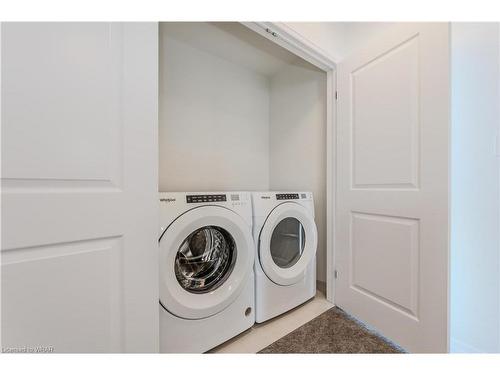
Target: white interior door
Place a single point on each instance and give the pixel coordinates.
(79, 187)
(392, 184)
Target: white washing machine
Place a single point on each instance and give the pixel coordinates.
(206, 269)
(286, 239)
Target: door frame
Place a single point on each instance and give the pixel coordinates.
(288, 38)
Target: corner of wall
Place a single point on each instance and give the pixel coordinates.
(475, 239)
(498, 162)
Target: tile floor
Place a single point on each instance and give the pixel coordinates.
(264, 334)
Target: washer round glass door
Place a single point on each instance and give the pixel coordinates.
(205, 259)
(287, 243)
(206, 256)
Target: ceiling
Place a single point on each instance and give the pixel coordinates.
(234, 42)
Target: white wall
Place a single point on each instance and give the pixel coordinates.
(210, 106)
(358, 33)
(498, 156)
(329, 36)
(475, 277)
(298, 141)
(338, 39)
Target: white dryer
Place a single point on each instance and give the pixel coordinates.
(286, 239)
(206, 269)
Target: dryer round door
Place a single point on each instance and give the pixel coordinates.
(287, 243)
(206, 256)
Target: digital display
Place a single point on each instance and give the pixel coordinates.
(287, 196)
(206, 198)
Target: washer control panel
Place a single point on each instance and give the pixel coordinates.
(206, 198)
(281, 197)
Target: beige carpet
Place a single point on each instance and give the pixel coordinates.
(332, 332)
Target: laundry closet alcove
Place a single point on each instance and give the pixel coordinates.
(239, 112)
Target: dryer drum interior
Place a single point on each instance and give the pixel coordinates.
(205, 259)
(287, 242)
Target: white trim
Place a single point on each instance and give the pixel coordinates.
(331, 180)
(296, 43)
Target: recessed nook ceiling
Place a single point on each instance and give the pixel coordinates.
(236, 43)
